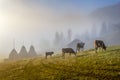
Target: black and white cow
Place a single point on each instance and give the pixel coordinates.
(80, 46)
(48, 54)
(68, 50)
(99, 44)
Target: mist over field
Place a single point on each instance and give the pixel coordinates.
(50, 25)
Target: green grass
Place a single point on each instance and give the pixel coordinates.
(86, 66)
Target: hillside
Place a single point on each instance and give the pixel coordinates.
(108, 13)
(87, 65)
(113, 38)
(109, 39)
(108, 19)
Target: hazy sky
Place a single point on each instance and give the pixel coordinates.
(36, 21)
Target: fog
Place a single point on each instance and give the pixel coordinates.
(36, 23)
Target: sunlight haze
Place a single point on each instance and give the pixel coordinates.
(35, 22)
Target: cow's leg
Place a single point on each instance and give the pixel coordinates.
(63, 55)
(79, 49)
(99, 49)
(96, 49)
(75, 54)
(46, 56)
(102, 49)
(82, 49)
(76, 50)
(70, 54)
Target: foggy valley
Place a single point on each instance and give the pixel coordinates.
(50, 29)
(59, 39)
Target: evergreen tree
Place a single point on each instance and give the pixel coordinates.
(86, 36)
(117, 27)
(103, 30)
(93, 31)
(62, 40)
(69, 35)
(57, 39)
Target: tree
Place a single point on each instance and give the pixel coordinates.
(86, 36)
(57, 39)
(103, 30)
(62, 40)
(93, 32)
(69, 35)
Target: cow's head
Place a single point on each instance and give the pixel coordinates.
(104, 47)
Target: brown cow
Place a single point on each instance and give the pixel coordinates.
(68, 50)
(99, 44)
(48, 53)
(80, 46)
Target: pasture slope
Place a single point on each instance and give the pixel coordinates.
(86, 66)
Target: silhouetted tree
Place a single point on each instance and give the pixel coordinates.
(86, 36)
(57, 39)
(116, 27)
(94, 31)
(69, 35)
(103, 30)
(62, 39)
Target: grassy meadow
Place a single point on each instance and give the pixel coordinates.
(88, 65)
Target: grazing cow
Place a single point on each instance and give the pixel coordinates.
(68, 50)
(48, 53)
(80, 46)
(99, 44)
